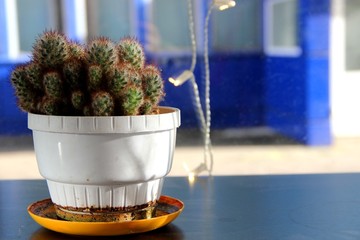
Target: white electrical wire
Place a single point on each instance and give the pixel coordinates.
(195, 88)
(192, 35)
(209, 161)
(205, 121)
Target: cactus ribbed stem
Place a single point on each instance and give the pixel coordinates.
(132, 101)
(102, 104)
(102, 52)
(51, 50)
(53, 85)
(130, 51)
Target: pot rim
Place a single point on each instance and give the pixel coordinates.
(169, 118)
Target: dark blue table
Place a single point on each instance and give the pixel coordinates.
(287, 207)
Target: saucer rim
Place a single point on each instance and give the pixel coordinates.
(107, 228)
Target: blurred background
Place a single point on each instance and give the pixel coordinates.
(284, 77)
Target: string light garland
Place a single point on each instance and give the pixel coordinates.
(205, 119)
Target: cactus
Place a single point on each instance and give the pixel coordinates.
(78, 100)
(102, 104)
(50, 106)
(72, 73)
(95, 73)
(118, 77)
(53, 85)
(33, 72)
(130, 51)
(76, 51)
(132, 100)
(24, 89)
(100, 79)
(51, 50)
(102, 52)
(152, 84)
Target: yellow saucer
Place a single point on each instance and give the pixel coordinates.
(43, 213)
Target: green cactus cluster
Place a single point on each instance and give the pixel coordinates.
(102, 78)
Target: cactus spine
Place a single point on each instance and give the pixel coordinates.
(101, 79)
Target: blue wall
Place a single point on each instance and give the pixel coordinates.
(285, 96)
(316, 15)
(12, 120)
(290, 95)
(236, 89)
(297, 89)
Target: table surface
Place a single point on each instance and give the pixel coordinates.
(295, 207)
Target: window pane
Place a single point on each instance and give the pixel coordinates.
(34, 17)
(284, 24)
(110, 18)
(169, 27)
(352, 18)
(239, 28)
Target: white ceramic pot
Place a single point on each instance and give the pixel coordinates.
(114, 163)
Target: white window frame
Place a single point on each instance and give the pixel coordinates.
(75, 27)
(271, 50)
(198, 10)
(9, 40)
(132, 21)
(10, 49)
(252, 49)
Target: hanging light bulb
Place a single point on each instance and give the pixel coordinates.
(182, 78)
(224, 4)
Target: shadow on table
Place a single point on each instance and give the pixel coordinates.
(165, 233)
